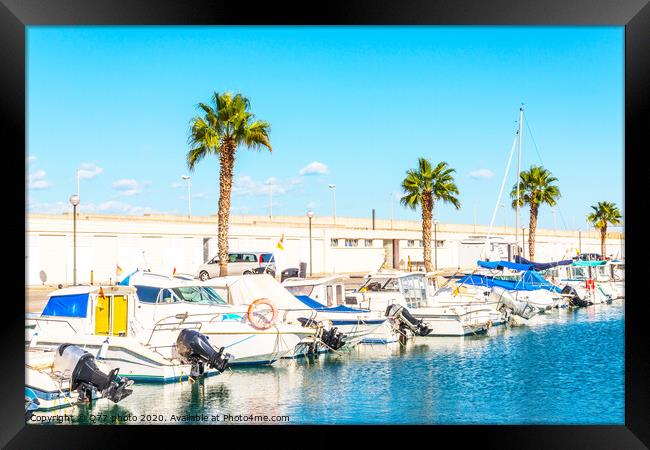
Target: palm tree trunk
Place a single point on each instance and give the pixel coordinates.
(603, 238)
(427, 209)
(534, 209)
(227, 162)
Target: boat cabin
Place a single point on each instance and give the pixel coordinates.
(328, 291)
(99, 310)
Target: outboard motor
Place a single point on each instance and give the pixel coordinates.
(332, 338)
(87, 377)
(407, 321)
(193, 348)
(575, 299)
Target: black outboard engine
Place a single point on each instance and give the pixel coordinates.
(332, 338)
(87, 377)
(407, 321)
(193, 348)
(575, 300)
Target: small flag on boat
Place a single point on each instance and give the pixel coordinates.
(174, 272)
(118, 270)
(280, 244)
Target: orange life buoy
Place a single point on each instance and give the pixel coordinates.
(259, 322)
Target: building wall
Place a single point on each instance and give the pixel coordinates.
(163, 243)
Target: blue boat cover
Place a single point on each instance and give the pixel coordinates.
(543, 266)
(73, 305)
(529, 281)
(318, 306)
(499, 265)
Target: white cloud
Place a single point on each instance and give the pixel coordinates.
(37, 181)
(30, 159)
(200, 195)
(312, 205)
(314, 168)
(88, 171)
(176, 185)
(245, 185)
(483, 174)
(128, 187)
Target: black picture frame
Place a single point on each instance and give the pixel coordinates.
(15, 15)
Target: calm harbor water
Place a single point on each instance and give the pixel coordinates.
(567, 368)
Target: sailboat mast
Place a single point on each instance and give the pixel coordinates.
(521, 115)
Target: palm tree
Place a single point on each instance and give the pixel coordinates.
(536, 188)
(604, 213)
(423, 186)
(225, 124)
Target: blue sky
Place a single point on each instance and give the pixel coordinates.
(350, 106)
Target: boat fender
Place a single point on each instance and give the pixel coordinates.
(257, 320)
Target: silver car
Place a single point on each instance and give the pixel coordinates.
(239, 263)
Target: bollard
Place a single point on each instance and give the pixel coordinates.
(91, 277)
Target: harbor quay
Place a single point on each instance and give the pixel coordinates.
(110, 246)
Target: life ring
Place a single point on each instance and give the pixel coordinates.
(257, 321)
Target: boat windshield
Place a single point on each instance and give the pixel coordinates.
(380, 284)
(301, 290)
(198, 294)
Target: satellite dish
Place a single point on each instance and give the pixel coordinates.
(43, 276)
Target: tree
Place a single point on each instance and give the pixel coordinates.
(604, 213)
(421, 187)
(535, 188)
(226, 124)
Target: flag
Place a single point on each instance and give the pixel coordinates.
(280, 243)
(174, 272)
(118, 270)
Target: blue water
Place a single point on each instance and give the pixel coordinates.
(568, 368)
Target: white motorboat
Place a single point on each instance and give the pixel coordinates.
(352, 324)
(327, 295)
(164, 299)
(450, 292)
(67, 375)
(409, 290)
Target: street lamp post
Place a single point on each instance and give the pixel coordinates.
(523, 242)
(333, 188)
(189, 194)
(310, 214)
(74, 201)
(579, 241)
(435, 243)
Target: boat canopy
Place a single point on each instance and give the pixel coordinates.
(543, 266)
(529, 281)
(500, 265)
(589, 263)
(70, 305)
(244, 289)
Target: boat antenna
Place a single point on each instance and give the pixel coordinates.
(521, 115)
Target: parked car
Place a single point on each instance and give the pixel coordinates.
(239, 263)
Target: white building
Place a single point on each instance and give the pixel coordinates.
(163, 243)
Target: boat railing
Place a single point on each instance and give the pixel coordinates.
(38, 321)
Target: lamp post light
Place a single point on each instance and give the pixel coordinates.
(435, 243)
(333, 188)
(74, 201)
(189, 194)
(310, 215)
